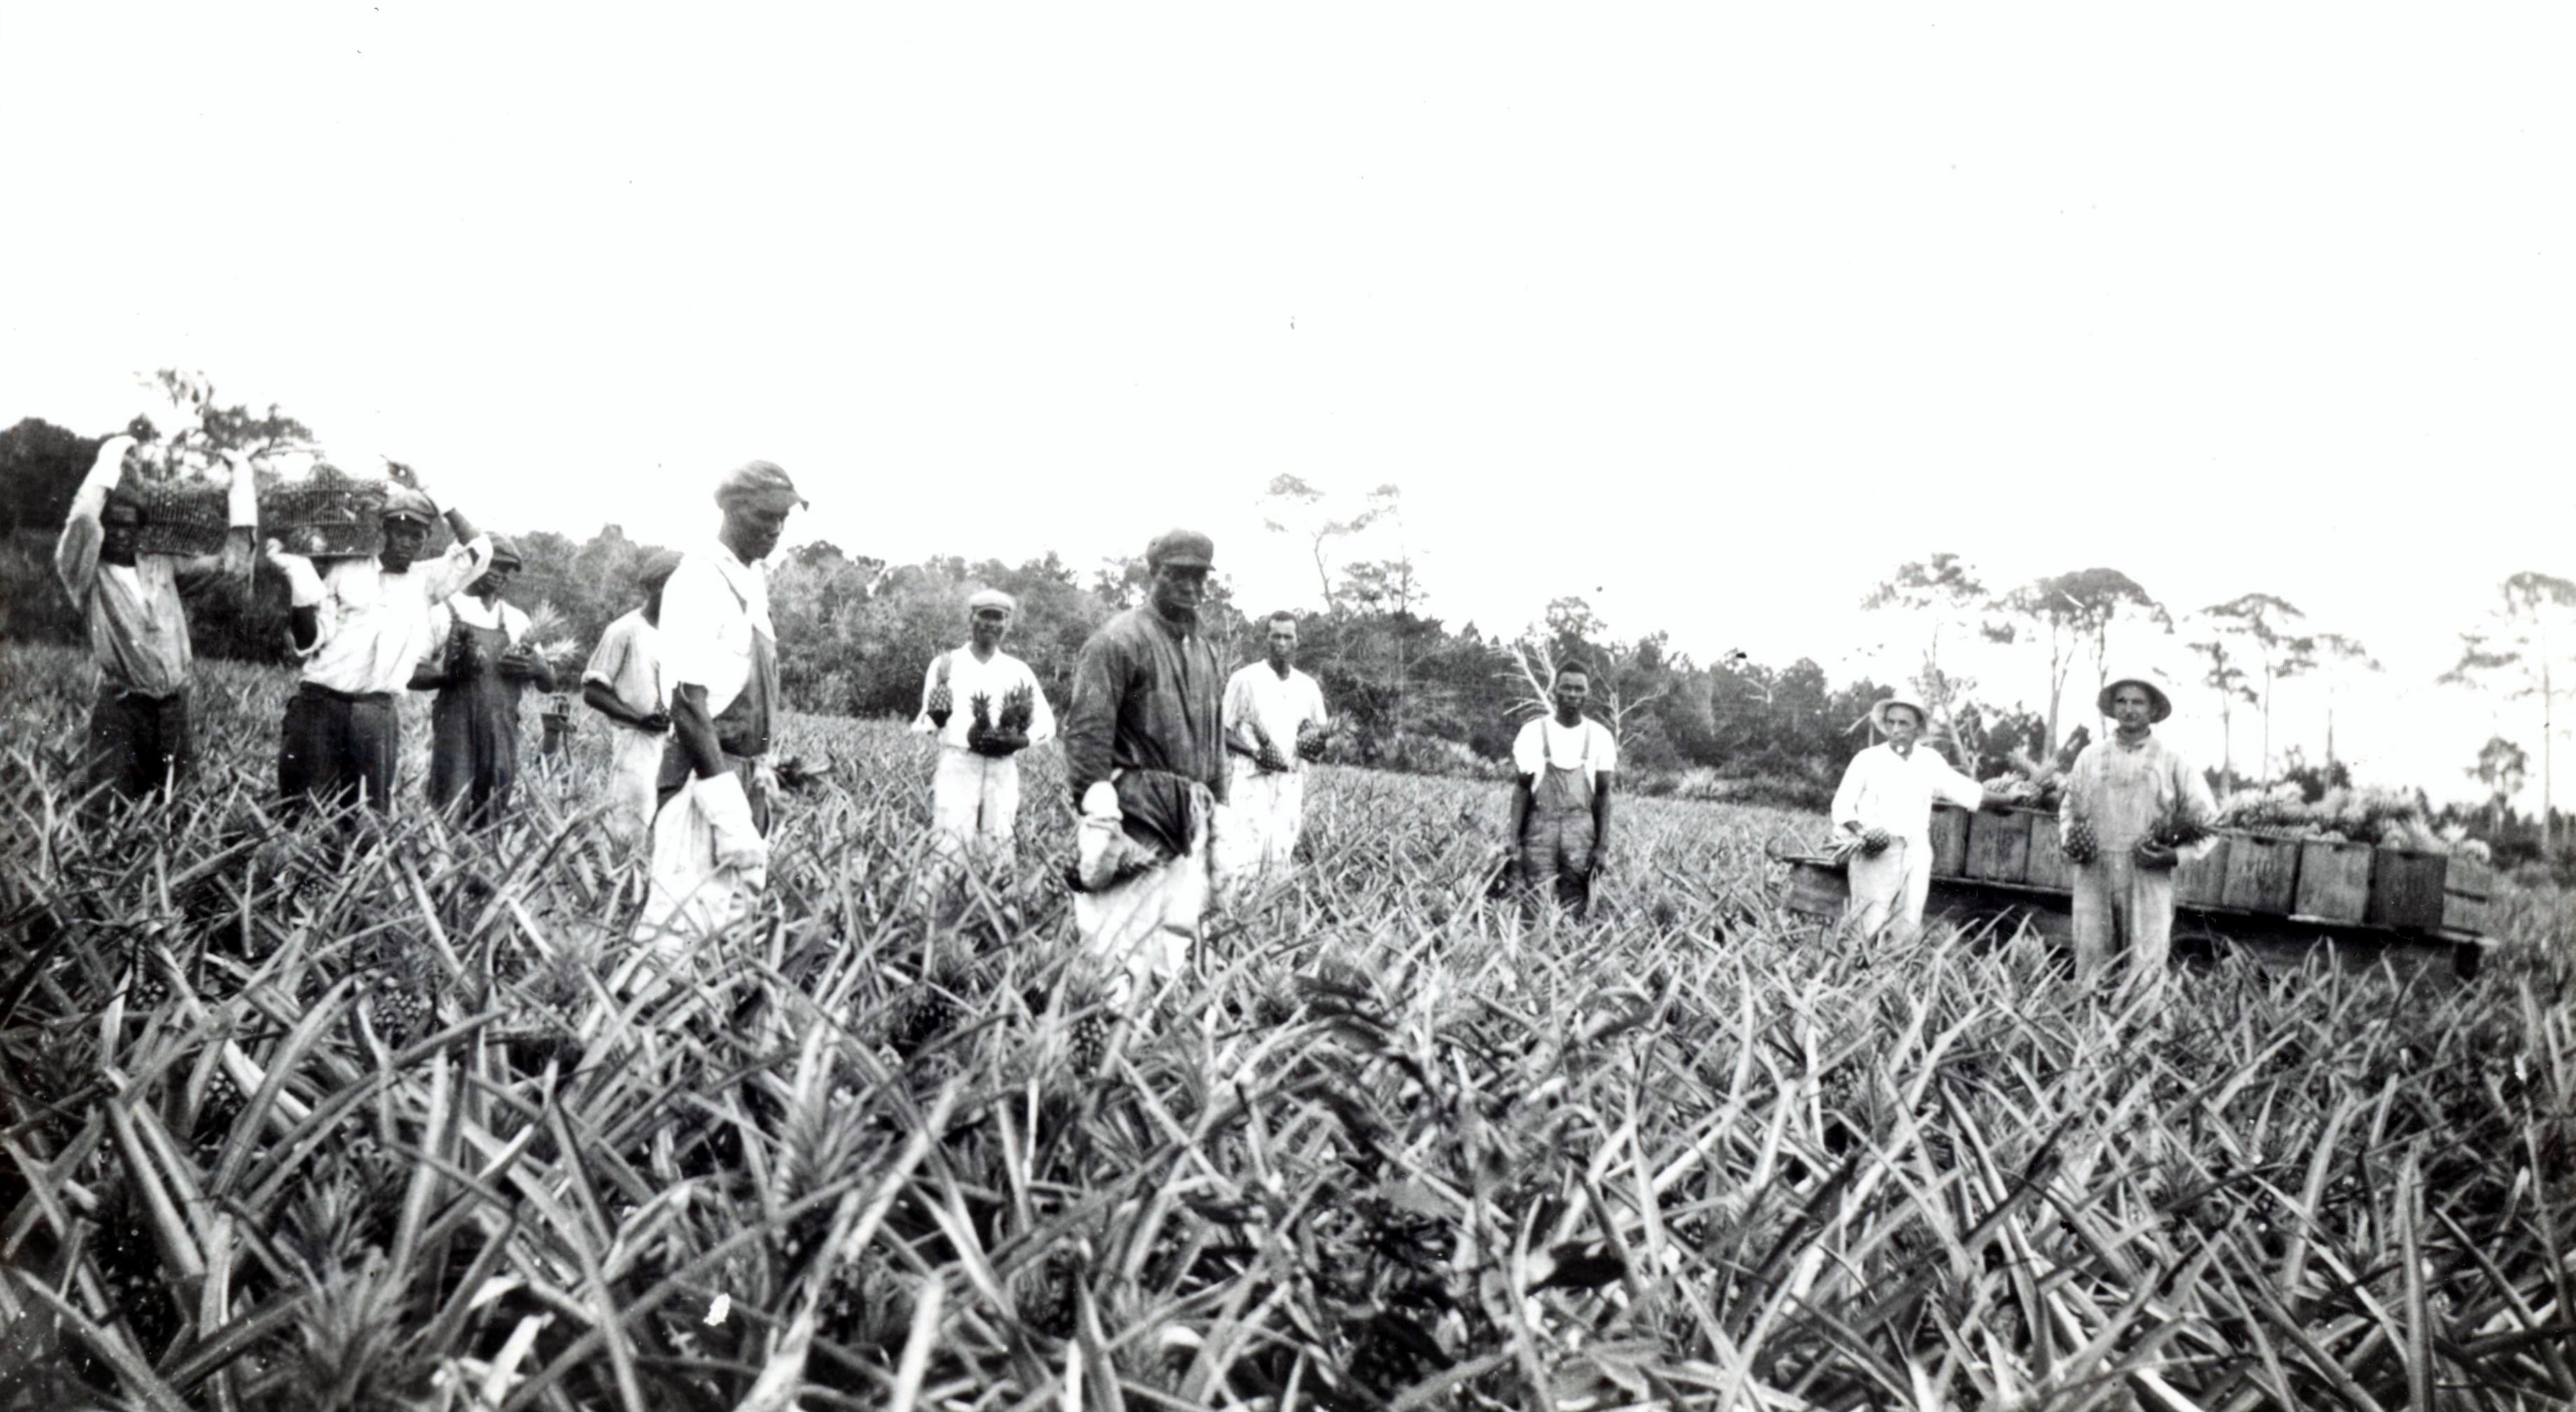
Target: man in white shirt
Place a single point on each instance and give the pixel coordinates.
(1561, 805)
(623, 682)
(361, 626)
(1885, 806)
(983, 706)
(720, 662)
(138, 626)
(1274, 725)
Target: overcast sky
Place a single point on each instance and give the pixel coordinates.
(1711, 315)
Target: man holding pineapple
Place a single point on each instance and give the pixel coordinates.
(2133, 809)
(130, 600)
(1883, 820)
(1144, 756)
(975, 789)
(1268, 702)
(485, 661)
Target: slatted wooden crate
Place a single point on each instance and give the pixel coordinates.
(1949, 842)
(2048, 865)
(2334, 880)
(2262, 874)
(2406, 889)
(2466, 886)
(2202, 881)
(1998, 846)
(1817, 889)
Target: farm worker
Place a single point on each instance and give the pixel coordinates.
(623, 682)
(1274, 724)
(1561, 805)
(361, 626)
(965, 706)
(720, 661)
(1885, 803)
(479, 664)
(1145, 758)
(2132, 810)
(138, 626)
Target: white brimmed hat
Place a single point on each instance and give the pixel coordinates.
(2159, 704)
(1878, 713)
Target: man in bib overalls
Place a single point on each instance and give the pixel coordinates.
(480, 664)
(720, 662)
(1561, 811)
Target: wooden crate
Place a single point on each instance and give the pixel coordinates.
(2466, 885)
(1998, 846)
(1949, 842)
(1817, 888)
(2048, 865)
(2334, 880)
(2262, 874)
(2202, 881)
(2406, 890)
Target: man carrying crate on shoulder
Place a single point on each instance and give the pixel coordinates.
(131, 601)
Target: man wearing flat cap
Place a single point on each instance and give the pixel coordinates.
(131, 602)
(361, 626)
(983, 706)
(2133, 809)
(1144, 749)
(1883, 819)
(623, 681)
(720, 661)
(481, 663)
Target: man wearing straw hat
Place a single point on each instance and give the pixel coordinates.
(361, 626)
(1883, 819)
(720, 660)
(2133, 809)
(481, 665)
(623, 681)
(1144, 755)
(130, 600)
(983, 706)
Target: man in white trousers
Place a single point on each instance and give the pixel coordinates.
(1274, 727)
(972, 702)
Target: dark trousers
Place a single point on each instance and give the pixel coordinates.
(336, 747)
(138, 742)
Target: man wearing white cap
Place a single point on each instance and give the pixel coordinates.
(984, 707)
(623, 681)
(720, 661)
(1884, 810)
(361, 626)
(1274, 725)
(2133, 808)
(131, 602)
(1144, 755)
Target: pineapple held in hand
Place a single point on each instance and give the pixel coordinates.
(2082, 844)
(1310, 741)
(1268, 757)
(1019, 706)
(942, 704)
(985, 737)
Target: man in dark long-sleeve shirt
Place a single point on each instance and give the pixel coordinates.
(1145, 757)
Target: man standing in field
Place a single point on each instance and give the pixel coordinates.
(361, 626)
(1884, 809)
(623, 682)
(131, 603)
(2132, 810)
(1274, 726)
(720, 661)
(479, 666)
(1145, 759)
(984, 707)
(1561, 806)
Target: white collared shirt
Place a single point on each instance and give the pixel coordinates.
(968, 678)
(713, 608)
(1885, 790)
(375, 625)
(1257, 693)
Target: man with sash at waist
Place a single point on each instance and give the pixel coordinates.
(138, 627)
(720, 664)
(361, 626)
(1144, 752)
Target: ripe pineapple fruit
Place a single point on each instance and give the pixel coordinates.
(149, 985)
(2082, 844)
(1269, 757)
(942, 703)
(1019, 707)
(1310, 741)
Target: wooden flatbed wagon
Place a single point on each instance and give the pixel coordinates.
(2273, 898)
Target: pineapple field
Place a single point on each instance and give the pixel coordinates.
(345, 1116)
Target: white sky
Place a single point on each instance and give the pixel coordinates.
(1712, 315)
